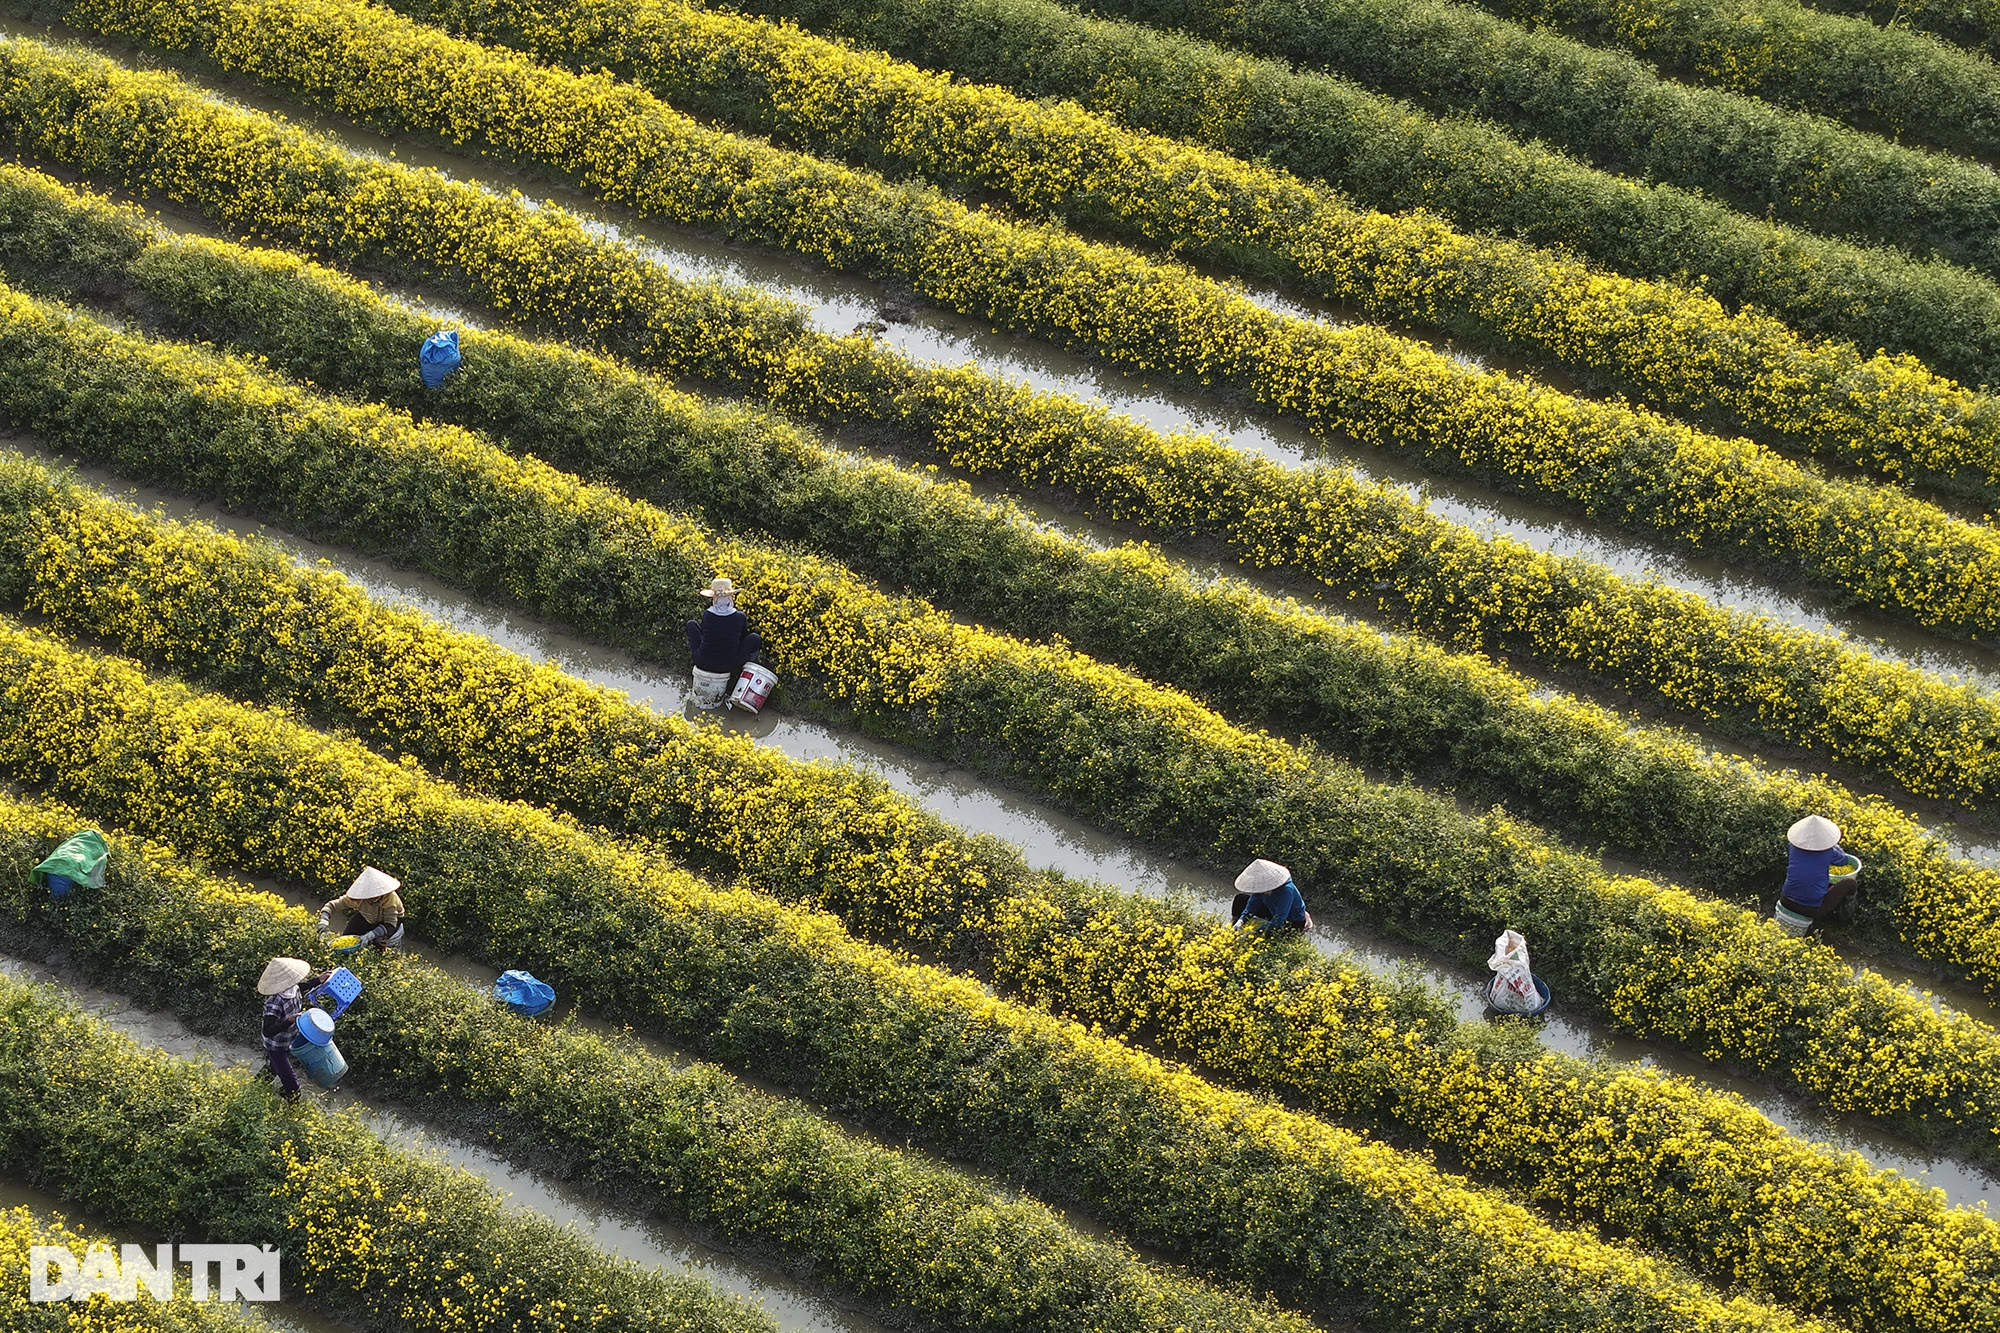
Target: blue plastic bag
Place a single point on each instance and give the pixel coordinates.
(523, 994)
(438, 357)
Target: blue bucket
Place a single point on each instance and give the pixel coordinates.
(325, 1063)
(1541, 989)
(60, 885)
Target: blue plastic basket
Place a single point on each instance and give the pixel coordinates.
(341, 986)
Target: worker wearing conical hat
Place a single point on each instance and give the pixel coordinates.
(721, 640)
(374, 909)
(1812, 852)
(281, 985)
(1266, 896)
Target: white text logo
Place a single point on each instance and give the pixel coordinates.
(241, 1273)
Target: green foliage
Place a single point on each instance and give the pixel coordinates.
(1389, 701)
(1740, 672)
(1891, 79)
(1394, 156)
(1969, 23)
(1611, 109)
(687, 1142)
(401, 1244)
(1653, 1156)
(1236, 1184)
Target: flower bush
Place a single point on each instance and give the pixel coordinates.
(1383, 699)
(1680, 349)
(1394, 156)
(1149, 762)
(393, 1241)
(1887, 79)
(1387, 700)
(1971, 23)
(1695, 1173)
(1869, 544)
(1230, 1182)
(1607, 108)
(918, 1238)
(1801, 689)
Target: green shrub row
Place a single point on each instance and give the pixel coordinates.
(1613, 1144)
(1324, 1217)
(1146, 762)
(1679, 350)
(21, 1230)
(1389, 701)
(1812, 691)
(1974, 24)
(1391, 155)
(1867, 544)
(688, 1142)
(1889, 80)
(1611, 109)
(392, 1241)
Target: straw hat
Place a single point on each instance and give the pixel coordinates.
(721, 587)
(281, 974)
(372, 883)
(1261, 876)
(1814, 833)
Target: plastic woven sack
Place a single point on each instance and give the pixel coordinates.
(438, 357)
(1513, 989)
(81, 859)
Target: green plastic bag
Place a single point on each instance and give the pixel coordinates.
(80, 860)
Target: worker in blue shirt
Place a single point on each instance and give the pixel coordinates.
(1813, 851)
(1266, 895)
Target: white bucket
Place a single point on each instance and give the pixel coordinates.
(1789, 921)
(711, 688)
(755, 687)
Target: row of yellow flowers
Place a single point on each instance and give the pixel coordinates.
(1232, 1181)
(1680, 349)
(1385, 152)
(1604, 106)
(151, 135)
(1400, 703)
(1695, 1173)
(1148, 762)
(173, 1147)
(1876, 77)
(911, 1236)
(1875, 545)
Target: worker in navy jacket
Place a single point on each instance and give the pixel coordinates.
(721, 640)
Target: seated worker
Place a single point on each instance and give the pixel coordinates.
(1813, 849)
(1265, 894)
(374, 908)
(721, 640)
(281, 985)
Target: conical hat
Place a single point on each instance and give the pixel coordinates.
(1814, 833)
(372, 883)
(1261, 876)
(281, 974)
